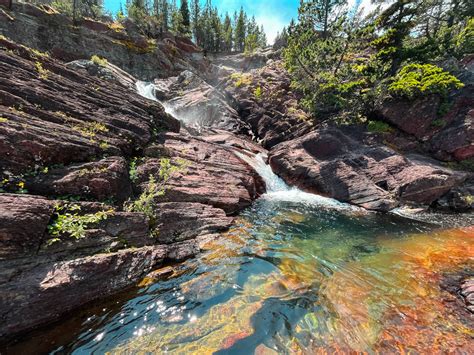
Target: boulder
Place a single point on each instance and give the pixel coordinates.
(107, 72)
(329, 162)
(105, 179)
(212, 174)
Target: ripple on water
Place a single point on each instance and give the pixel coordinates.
(294, 278)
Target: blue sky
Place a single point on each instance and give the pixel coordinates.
(272, 14)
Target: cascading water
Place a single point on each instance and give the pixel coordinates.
(294, 275)
(147, 90)
(278, 190)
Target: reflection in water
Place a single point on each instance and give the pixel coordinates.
(293, 278)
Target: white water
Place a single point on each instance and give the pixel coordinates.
(147, 90)
(278, 190)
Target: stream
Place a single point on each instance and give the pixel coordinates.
(298, 273)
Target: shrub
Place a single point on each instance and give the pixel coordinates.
(43, 73)
(146, 201)
(258, 93)
(378, 127)
(102, 62)
(416, 80)
(68, 221)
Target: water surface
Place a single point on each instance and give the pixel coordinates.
(290, 277)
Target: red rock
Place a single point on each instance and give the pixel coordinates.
(213, 175)
(375, 177)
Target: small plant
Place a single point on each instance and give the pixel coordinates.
(102, 62)
(241, 79)
(416, 80)
(104, 145)
(146, 201)
(38, 54)
(378, 127)
(3, 119)
(258, 93)
(90, 129)
(43, 73)
(133, 169)
(69, 222)
(438, 123)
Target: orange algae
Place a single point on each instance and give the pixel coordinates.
(392, 300)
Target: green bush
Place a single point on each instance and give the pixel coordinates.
(258, 93)
(378, 127)
(415, 80)
(465, 40)
(68, 221)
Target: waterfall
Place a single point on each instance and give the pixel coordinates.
(278, 190)
(146, 90)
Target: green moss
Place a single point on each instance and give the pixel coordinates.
(415, 80)
(102, 62)
(378, 127)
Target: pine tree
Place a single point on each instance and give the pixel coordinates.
(196, 21)
(228, 33)
(185, 15)
(240, 31)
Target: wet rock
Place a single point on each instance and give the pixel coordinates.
(212, 175)
(45, 292)
(467, 291)
(331, 163)
(198, 104)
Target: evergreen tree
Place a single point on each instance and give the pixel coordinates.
(240, 31)
(228, 33)
(196, 21)
(186, 17)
